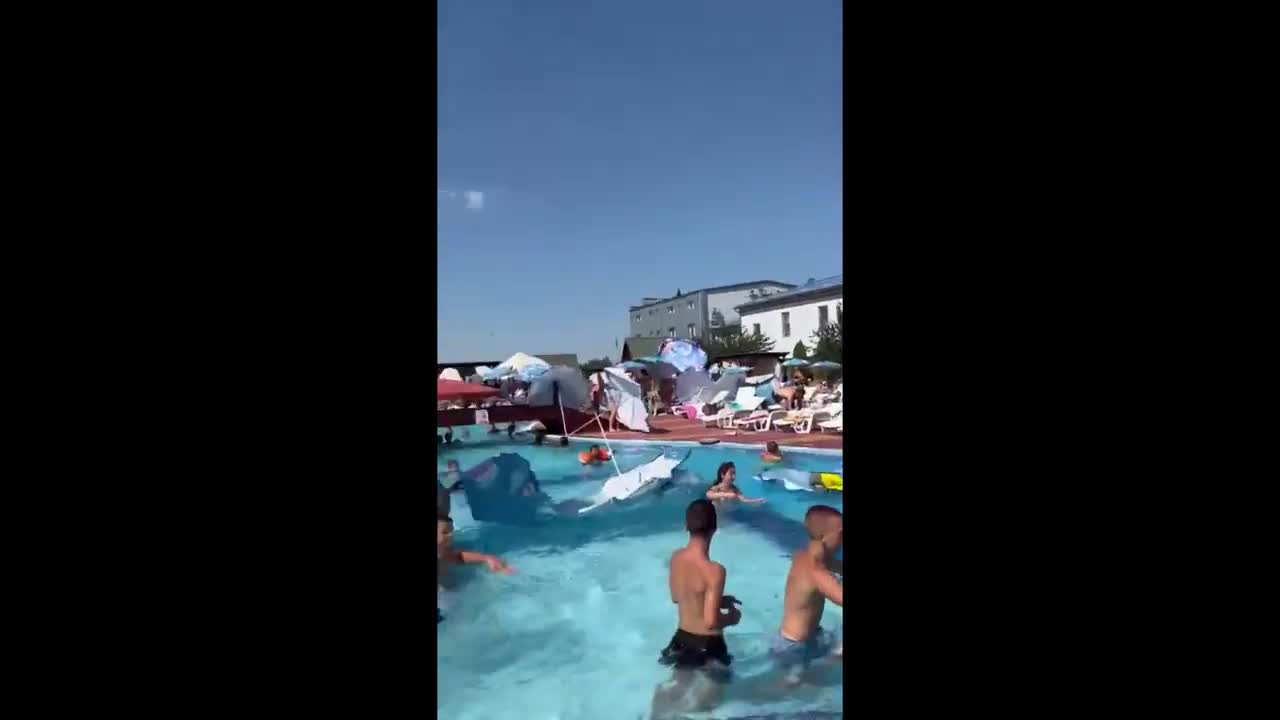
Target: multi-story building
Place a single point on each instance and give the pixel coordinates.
(693, 313)
(794, 315)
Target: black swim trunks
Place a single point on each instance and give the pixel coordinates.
(689, 651)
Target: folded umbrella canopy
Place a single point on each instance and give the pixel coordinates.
(457, 390)
(574, 391)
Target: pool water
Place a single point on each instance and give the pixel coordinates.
(577, 631)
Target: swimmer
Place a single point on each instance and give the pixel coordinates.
(771, 454)
(454, 474)
(511, 431)
(697, 650)
(539, 436)
(564, 441)
(724, 490)
(447, 556)
(810, 584)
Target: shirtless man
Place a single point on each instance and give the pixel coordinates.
(725, 491)
(448, 556)
(698, 647)
(809, 585)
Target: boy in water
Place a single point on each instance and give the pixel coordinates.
(704, 611)
(810, 583)
(724, 490)
(447, 556)
(772, 453)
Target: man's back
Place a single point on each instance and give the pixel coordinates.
(692, 577)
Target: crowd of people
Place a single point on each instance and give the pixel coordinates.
(698, 651)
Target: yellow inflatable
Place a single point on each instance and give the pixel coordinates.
(831, 481)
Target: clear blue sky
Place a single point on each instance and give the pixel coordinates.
(594, 152)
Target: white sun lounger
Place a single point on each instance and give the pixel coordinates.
(635, 483)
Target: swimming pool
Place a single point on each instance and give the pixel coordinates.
(577, 631)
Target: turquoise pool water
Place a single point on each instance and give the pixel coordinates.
(577, 631)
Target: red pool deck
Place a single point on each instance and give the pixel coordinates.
(670, 428)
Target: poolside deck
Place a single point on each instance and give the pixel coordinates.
(668, 428)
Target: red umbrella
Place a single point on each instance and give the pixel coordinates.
(454, 390)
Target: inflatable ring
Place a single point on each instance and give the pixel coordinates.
(831, 481)
(586, 458)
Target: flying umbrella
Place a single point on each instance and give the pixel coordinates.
(633, 365)
(683, 354)
(518, 364)
(795, 362)
(451, 374)
(826, 365)
(531, 372)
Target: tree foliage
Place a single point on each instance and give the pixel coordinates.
(828, 342)
(800, 350)
(730, 340)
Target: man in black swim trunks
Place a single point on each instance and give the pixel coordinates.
(698, 650)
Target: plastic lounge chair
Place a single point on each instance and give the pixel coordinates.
(836, 423)
(805, 423)
(758, 420)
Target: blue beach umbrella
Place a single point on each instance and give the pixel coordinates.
(795, 362)
(826, 365)
(683, 355)
(633, 365)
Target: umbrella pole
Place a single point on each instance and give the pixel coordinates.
(564, 425)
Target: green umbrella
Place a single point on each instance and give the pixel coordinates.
(795, 362)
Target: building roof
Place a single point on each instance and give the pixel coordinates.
(804, 293)
(717, 288)
(566, 359)
(639, 346)
(440, 366)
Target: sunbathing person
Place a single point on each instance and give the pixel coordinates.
(725, 491)
(448, 556)
(810, 584)
(697, 650)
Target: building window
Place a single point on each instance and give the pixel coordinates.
(755, 328)
(671, 332)
(786, 324)
(717, 318)
(690, 304)
(671, 309)
(822, 316)
(651, 312)
(637, 317)
(690, 329)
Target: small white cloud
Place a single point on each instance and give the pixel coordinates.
(475, 200)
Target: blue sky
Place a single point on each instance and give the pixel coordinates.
(591, 153)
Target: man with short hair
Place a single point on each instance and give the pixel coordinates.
(697, 650)
(810, 584)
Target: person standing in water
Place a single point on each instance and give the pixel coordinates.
(810, 584)
(723, 490)
(447, 556)
(697, 650)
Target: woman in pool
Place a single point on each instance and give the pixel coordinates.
(724, 490)
(772, 454)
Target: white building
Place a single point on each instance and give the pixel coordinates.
(792, 316)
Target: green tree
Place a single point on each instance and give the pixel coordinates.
(828, 342)
(591, 366)
(731, 340)
(800, 350)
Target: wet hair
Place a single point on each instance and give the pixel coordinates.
(564, 441)
(700, 517)
(595, 447)
(772, 447)
(720, 472)
(451, 464)
(819, 518)
(442, 516)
